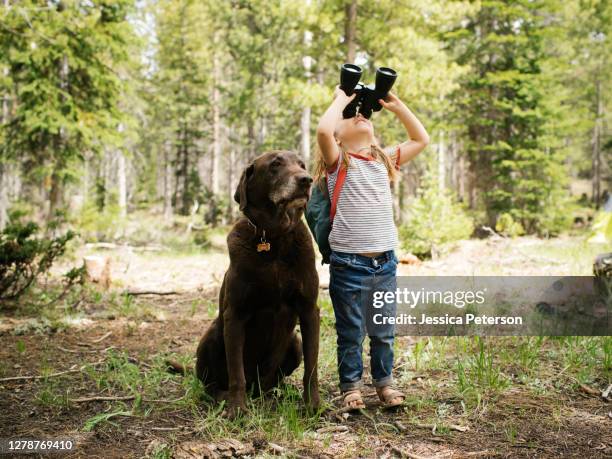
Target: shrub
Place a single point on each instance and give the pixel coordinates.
(24, 256)
(507, 226)
(602, 228)
(100, 224)
(434, 219)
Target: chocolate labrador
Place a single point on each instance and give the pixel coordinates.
(271, 282)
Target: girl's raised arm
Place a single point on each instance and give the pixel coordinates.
(327, 125)
(416, 131)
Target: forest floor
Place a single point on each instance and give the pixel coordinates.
(101, 380)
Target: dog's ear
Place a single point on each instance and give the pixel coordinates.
(240, 196)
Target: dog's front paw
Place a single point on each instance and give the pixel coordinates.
(233, 410)
(312, 400)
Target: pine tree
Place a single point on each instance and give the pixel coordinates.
(502, 103)
(61, 57)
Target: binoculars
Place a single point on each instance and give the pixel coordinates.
(366, 100)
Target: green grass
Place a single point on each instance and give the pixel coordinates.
(576, 254)
(462, 378)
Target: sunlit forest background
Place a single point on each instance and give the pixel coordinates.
(146, 111)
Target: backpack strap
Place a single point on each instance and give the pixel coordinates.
(337, 188)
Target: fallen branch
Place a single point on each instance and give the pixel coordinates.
(102, 338)
(52, 375)
(276, 448)
(149, 292)
(589, 390)
(335, 428)
(83, 351)
(400, 426)
(102, 398)
(433, 427)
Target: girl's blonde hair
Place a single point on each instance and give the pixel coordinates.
(377, 153)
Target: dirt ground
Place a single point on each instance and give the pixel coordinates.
(546, 405)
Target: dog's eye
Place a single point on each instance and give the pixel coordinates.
(275, 163)
(302, 165)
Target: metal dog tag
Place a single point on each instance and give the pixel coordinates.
(263, 246)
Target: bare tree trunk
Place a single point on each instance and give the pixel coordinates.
(216, 106)
(122, 183)
(350, 30)
(230, 185)
(305, 128)
(596, 155)
(167, 182)
(56, 195)
(4, 202)
(441, 162)
(251, 141)
(56, 192)
(461, 178)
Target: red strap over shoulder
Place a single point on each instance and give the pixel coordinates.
(337, 188)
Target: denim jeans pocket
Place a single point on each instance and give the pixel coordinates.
(338, 261)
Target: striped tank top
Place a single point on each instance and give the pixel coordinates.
(364, 212)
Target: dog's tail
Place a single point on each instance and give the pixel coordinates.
(172, 366)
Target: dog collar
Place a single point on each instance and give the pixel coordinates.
(263, 245)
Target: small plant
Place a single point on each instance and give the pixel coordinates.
(507, 226)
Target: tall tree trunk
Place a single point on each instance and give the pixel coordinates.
(4, 201)
(230, 185)
(441, 162)
(596, 142)
(122, 183)
(4, 204)
(56, 192)
(216, 106)
(461, 178)
(167, 182)
(350, 30)
(251, 141)
(56, 195)
(185, 170)
(305, 128)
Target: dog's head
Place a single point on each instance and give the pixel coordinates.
(274, 189)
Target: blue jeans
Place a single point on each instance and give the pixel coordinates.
(352, 279)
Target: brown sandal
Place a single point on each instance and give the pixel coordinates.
(350, 396)
(389, 397)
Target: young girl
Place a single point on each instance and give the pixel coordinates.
(363, 238)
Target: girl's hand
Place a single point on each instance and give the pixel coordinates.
(340, 93)
(392, 103)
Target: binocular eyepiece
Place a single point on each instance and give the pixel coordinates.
(367, 97)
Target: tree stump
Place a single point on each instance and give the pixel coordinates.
(97, 270)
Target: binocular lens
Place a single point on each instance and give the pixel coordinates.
(387, 71)
(385, 77)
(349, 77)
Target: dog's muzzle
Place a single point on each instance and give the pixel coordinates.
(294, 193)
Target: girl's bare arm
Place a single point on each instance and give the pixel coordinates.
(416, 131)
(327, 124)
